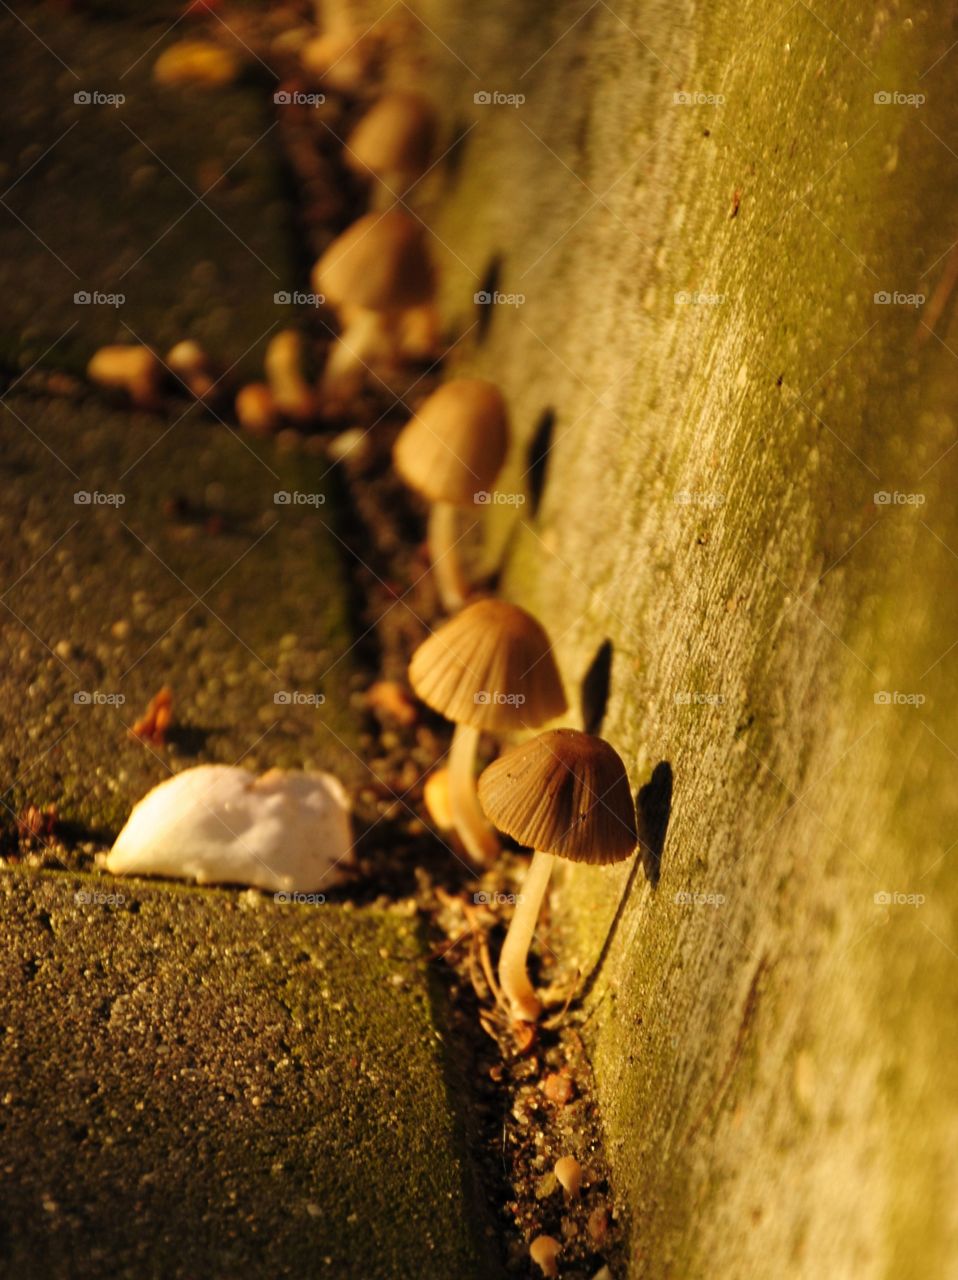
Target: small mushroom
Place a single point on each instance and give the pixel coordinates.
(568, 1174)
(451, 453)
(375, 271)
(283, 365)
(393, 143)
(133, 369)
(256, 409)
(435, 796)
(196, 62)
(544, 1250)
(488, 668)
(344, 59)
(192, 366)
(566, 794)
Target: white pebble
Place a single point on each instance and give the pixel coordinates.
(286, 831)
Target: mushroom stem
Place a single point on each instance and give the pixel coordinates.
(477, 836)
(367, 339)
(513, 976)
(443, 536)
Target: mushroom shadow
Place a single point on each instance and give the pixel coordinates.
(537, 457)
(653, 807)
(594, 693)
(488, 289)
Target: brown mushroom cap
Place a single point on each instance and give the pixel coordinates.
(455, 445)
(563, 792)
(380, 263)
(396, 135)
(491, 667)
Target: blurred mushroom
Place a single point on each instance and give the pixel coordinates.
(344, 59)
(393, 143)
(196, 62)
(284, 366)
(568, 1173)
(192, 365)
(375, 271)
(544, 1250)
(566, 794)
(435, 796)
(451, 453)
(489, 668)
(256, 409)
(133, 369)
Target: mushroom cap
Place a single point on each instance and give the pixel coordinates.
(491, 667)
(396, 135)
(380, 263)
(455, 445)
(563, 792)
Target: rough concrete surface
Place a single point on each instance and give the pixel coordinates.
(698, 206)
(199, 1084)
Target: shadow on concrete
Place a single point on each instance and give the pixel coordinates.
(537, 457)
(653, 807)
(594, 693)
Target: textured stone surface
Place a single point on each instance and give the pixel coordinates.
(205, 1084)
(700, 322)
(181, 570)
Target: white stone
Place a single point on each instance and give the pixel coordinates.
(216, 824)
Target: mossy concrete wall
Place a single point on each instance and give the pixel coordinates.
(699, 205)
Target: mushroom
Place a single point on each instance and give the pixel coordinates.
(393, 143)
(192, 366)
(566, 794)
(568, 1174)
(488, 668)
(133, 369)
(344, 59)
(375, 271)
(256, 409)
(544, 1250)
(196, 62)
(435, 796)
(451, 453)
(283, 365)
